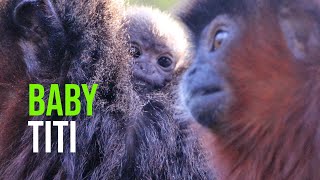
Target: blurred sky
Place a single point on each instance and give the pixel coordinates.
(162, 4)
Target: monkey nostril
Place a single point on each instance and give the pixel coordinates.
(211, 90)
(206, 90)
(192, 72)
(141, 67)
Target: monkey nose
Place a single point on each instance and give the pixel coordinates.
(145, 68)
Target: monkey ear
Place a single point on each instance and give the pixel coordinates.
(301, 31)
(34, 16)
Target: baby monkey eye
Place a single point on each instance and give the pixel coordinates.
(135, 51)
(219, 38)
(164, 61)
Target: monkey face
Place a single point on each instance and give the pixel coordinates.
(152, 67)
(205, 91)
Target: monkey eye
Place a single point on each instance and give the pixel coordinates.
(164, 61)
(135, 51)
(219, 38)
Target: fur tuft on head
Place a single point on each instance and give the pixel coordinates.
(163, 27)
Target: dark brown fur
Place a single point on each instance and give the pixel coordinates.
(126, 138)
(13, 86)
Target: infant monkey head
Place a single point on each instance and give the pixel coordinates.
(158, 46)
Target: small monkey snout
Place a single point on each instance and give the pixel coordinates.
(144, 68)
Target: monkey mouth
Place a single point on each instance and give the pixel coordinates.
(141, 85)
(139, 82)
(142, 81)
(207, 104)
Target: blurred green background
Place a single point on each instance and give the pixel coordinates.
(161, 4)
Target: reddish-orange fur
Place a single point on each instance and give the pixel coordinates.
(272, 130)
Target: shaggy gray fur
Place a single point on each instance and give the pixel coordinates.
(127, 137)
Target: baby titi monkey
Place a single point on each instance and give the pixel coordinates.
(159, 46)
